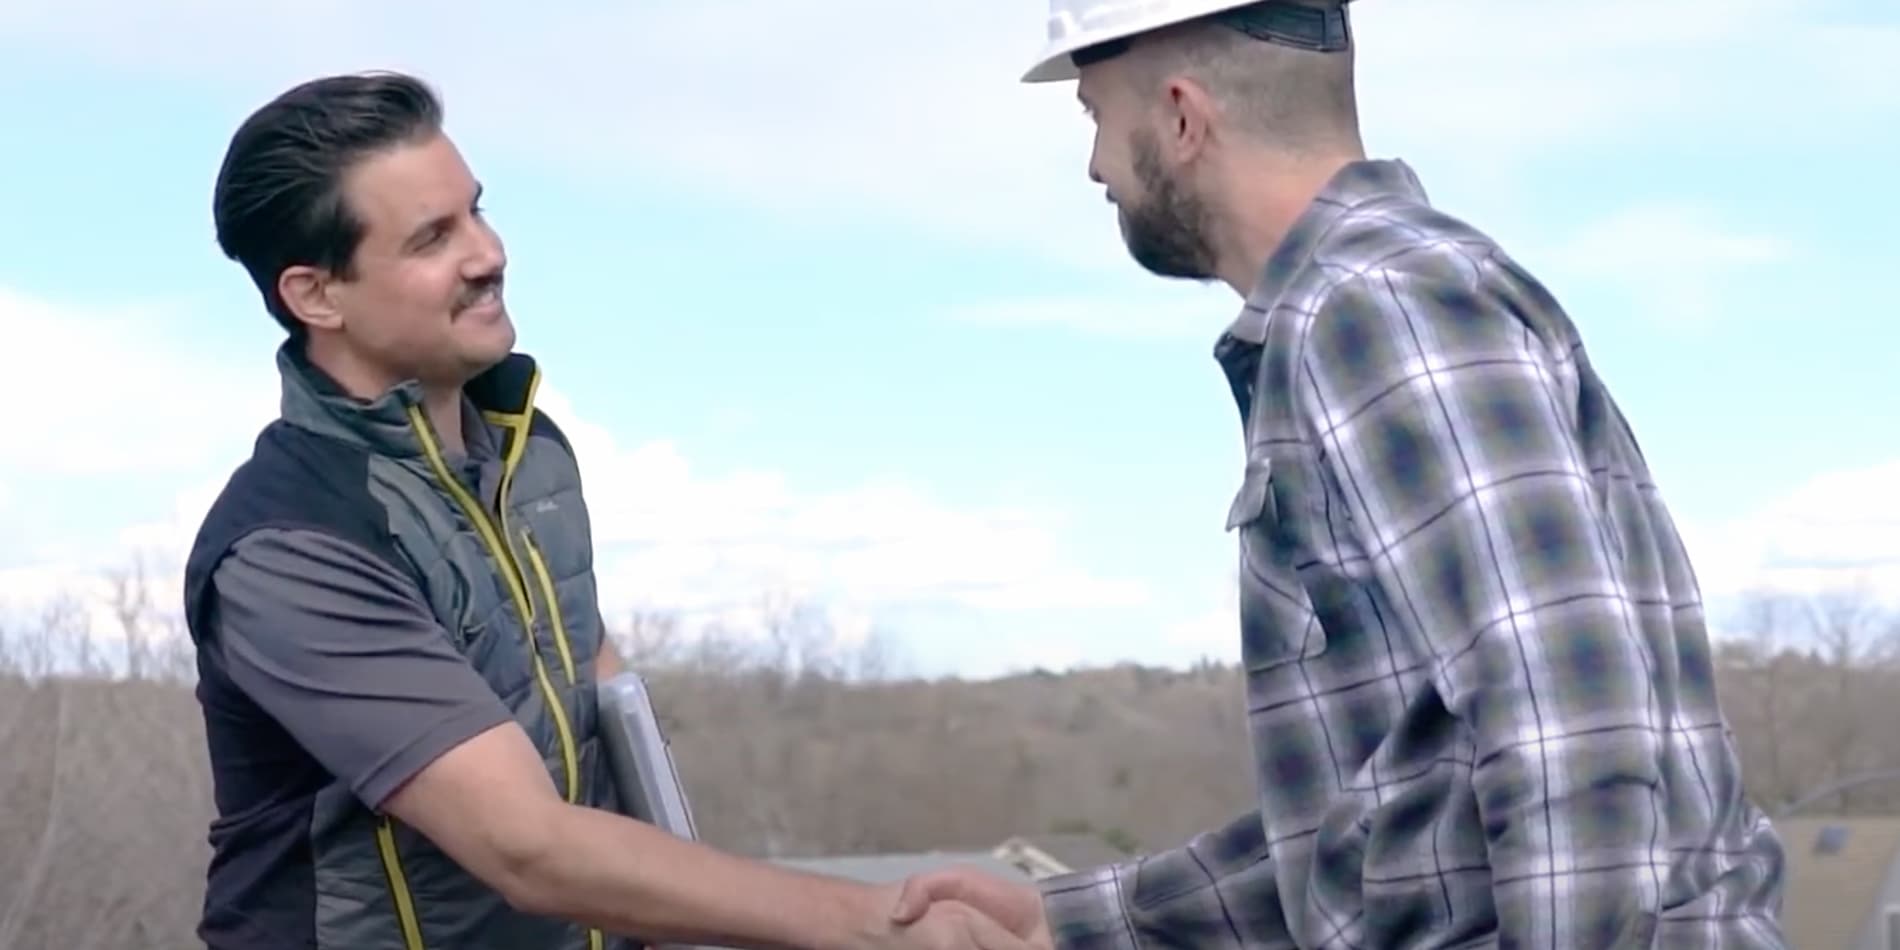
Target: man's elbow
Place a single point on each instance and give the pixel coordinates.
(491, 808)
(517, 858)
(523, 861)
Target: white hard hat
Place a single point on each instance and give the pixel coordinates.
(1076, 26)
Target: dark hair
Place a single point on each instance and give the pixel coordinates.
(279, 197)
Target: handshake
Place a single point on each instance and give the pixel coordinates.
(962, 908)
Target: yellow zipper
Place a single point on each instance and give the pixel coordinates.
(595, 940)
(499, 549)
(398, 886)
(503, 553)
(554, 605)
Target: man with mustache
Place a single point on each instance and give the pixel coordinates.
(1478, 677)
(393, 602)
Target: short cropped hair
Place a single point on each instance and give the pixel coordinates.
(1297, 99)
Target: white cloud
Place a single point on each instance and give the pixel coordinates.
(1838, 532)
(667, 537)
(130, 401)
(1213, 633)
(78, 570)
(117, 400)
(674, 538)
(1673, 259)
(915, 108)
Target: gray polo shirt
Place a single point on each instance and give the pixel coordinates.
(343, 651)
(342, 673)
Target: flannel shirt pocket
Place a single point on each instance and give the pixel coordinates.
(1277, 620)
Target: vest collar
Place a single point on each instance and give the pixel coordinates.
(388, 424)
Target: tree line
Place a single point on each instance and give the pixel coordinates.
(794, 745)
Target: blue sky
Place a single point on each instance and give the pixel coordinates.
(834, 312)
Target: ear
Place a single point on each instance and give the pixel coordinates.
(307, 293)
(1190, 114)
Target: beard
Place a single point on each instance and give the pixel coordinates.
(1167, 233)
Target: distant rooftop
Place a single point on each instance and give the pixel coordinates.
(1076, 851)
(889, 868)
(1022, 858)
(1839, 873)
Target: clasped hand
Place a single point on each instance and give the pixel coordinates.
(959, 908)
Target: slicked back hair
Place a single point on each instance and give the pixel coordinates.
(279, 198)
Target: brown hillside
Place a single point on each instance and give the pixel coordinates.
(788, 751)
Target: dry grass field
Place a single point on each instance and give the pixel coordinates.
(103, 802)
(791, 749)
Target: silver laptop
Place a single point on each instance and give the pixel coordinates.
(641, 760)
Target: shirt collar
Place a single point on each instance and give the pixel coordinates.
(1356, 184)
(479, 440)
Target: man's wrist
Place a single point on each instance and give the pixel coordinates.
(848, 915)
(1087, 910)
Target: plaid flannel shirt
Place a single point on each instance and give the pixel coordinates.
(1480, 687)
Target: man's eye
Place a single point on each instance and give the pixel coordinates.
(427, 239)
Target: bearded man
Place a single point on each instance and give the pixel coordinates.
(1478, 676)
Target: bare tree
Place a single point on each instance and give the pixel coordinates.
(131, 601)
(1852, 632)
(1763, 721)
(796, 741)
(1805, 689)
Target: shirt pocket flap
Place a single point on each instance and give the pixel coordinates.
(1277, 620)
(1255, 497)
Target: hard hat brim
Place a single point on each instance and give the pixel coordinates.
(1055, 68)
(1056, 62)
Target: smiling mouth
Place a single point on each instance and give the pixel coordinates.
(489, 297)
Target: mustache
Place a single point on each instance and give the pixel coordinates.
(476, 289)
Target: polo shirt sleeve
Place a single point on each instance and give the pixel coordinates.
(342, 650)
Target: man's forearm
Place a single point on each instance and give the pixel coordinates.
(628, 877)
(1178, 897)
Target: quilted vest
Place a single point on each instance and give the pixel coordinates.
(510, 578)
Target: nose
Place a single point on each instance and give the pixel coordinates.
(487, 257)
